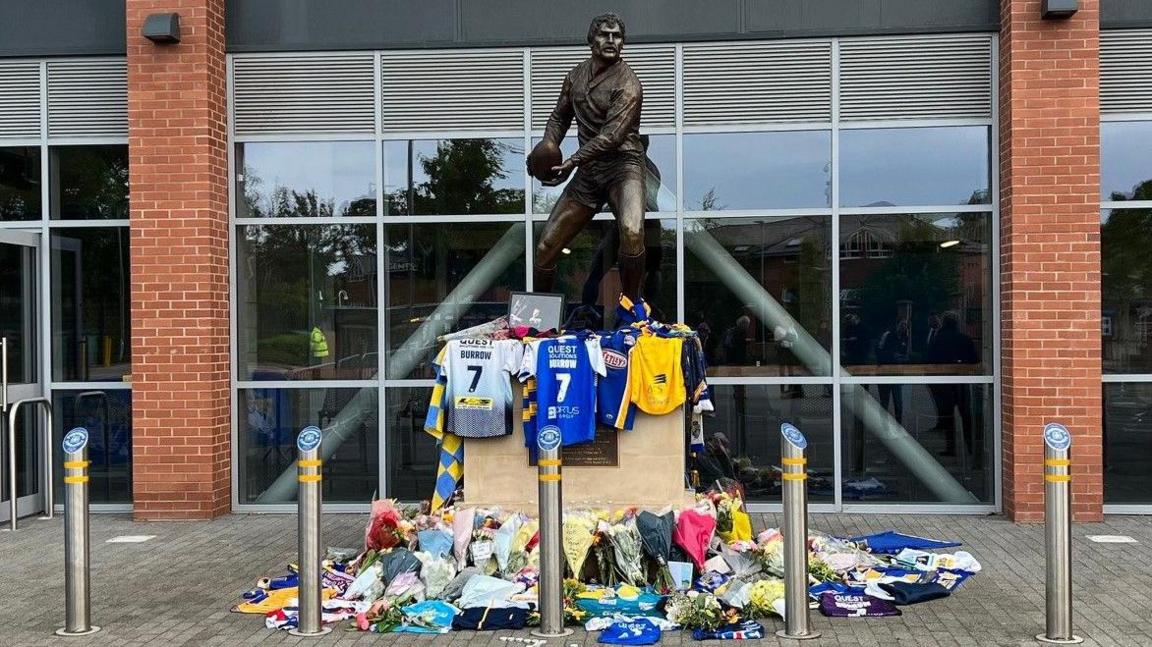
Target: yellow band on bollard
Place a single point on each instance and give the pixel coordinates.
(310, 463)
(794, 461)
(799, 476)
(75, 479)
(1057, 462)
(1058, 478)
(549, 477)
(76, 465)
(309, 478)
(549, 462)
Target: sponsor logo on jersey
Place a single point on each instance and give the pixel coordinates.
(614, 359)
(660, 378)
(473, 402)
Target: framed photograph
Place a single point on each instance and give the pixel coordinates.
(539, 310)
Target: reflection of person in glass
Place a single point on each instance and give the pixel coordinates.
(952, 346)
(892, 348)
(715, 462)
(604, 96)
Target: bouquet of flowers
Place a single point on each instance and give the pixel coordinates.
(626, 549)
(577, 539)
(382, 617)
(732, 520)
(387, 527)
(819, 570)
(762, 596)
(656, 537)
(482, 548)
(518, 554)
(694, 610)
(605, 553)
(771, 554)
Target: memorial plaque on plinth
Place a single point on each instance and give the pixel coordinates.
(603, 451)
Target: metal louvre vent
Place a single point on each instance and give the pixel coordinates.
(88, 98)
(20, 100)
(467, 90)
(733, 83)
(1126, 71)
(655, 65)
(931, 77)
(304, 94)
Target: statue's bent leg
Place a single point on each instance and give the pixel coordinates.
(626, 195)
(568, 218)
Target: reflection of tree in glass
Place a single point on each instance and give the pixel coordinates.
(1142, 191)
(1126, 271)
(19, 184)
(93, 182)
(282, 202)
(460, 180)
(710, 202)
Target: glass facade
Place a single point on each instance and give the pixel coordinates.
(1126, 307)
(826, 291)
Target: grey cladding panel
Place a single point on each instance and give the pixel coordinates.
(286, 25)
(463, 90)
(304, 93)
(62, 27)
(1120, 14)
(827, 17)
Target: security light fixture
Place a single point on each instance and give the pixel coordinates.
(162, 28)
(1058, 9)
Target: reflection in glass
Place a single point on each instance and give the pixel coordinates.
(768, 170)
(451, 177)
(915, 294)
(107, 415)
(270, 419)
(313, 179)
(20, 183)
(782, 259)
(428, 262)
(1127, 442)
(1125, 162)
(587, 275)
(90, 308)
(412, 454)
(660, 184)
(89, 182)
(18, 320)
(914, 166)
(1126, 290)
(742, 439)
(306, 302)
(952, 422)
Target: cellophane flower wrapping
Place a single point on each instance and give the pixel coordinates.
(462, 535)
(605, 554)
(694, 610)
(578, 529)
(436, 572)
(762, 596)
(627, 550)
(387, 526)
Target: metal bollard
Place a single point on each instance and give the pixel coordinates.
(1058, 536)
(551, 597)
(309, 466)
(77, 594)
(795, 490)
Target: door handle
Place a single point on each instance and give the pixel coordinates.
(3, 374)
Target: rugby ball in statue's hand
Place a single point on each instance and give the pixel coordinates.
(542, 158)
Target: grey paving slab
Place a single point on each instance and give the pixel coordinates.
(177, 588)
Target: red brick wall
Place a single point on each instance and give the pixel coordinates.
(177, 139)
(1050, 250)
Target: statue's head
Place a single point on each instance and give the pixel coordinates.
(606, 36)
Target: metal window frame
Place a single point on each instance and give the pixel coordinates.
(681, 216)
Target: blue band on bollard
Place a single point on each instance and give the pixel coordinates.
(308, 439)
(548, 438)
(1057, 437)
(75, 440)
(793, 435)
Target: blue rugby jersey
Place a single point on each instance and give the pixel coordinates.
(565, 370)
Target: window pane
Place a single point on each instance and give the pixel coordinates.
(1125, 162)
(306, 302)
(914, 166)
(270, 419)
(588, 277)
(660, 184)
(916, 294)
(1127, 443)
(1126, 290)
(20, 183)
(777, 170)
(89, 182)
(412, 454)
(450, 177)
(758, 291)
(90, 308)
(107, 415)
(917, 443)
(444, 277)
(743, 438)
(316, 179)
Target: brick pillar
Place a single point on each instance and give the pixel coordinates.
(177, 125)
(1050, 250)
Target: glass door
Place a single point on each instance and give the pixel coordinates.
(20, 332)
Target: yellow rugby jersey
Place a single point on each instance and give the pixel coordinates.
(656, 375)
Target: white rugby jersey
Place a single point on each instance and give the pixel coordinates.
(479, 395)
